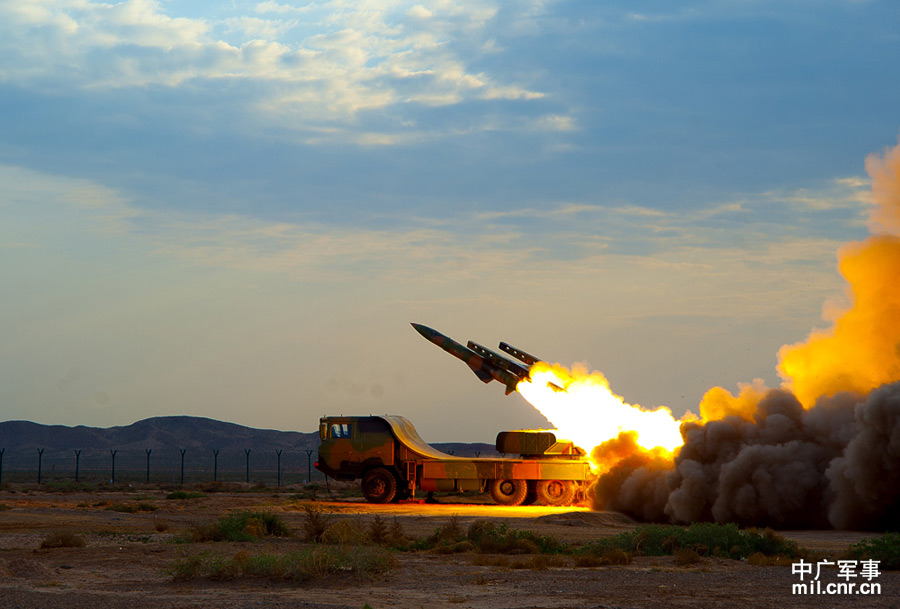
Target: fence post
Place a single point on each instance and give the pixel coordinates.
(215, 464)
(40, 452)
(77, 459)
(182, 451)
(278, 452)
(112, 477)
(148, 451)
(2, 450)
(309, 453)
(247, 454)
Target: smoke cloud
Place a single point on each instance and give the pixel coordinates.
(821, 451)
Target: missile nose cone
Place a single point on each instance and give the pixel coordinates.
(424, 330)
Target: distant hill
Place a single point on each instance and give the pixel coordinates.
(154, 433)
(166, 438)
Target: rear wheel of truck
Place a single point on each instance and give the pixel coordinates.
(556, 492)
(509, 492)
(379, 485)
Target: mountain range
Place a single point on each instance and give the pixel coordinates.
(166, 437)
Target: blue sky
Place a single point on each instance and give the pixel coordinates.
(234, 209)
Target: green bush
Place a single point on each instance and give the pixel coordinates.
(241, 526)
(489, 538)
(68, 486)
(185, 495)
(885, 549)
(707, 538)
(314, 562)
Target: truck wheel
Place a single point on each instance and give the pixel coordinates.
(556, 492)
(379, 485)
(509, 492)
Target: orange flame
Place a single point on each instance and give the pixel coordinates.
(859, 351)
(586, 412)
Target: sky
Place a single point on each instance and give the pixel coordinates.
(234, 209)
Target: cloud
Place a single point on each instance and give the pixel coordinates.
(208, 312)
(318, 63)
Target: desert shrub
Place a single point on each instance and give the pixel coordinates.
(344, 532)
(315, 523)
(707, 538)
(686, 556)
(769, 543)
(587, 560)
(160, 526)
(185, 495)
(885, 549)
(241, 526)
(314, 562)
(614, 556)
(377, 530)
(380, 532)
(63, 539)
(453, 548)
(67, 486)
(540, 562)
(758, 559)
(132, 508)
(490, 560)
(4, 507)
(448, 533)
(396, 535)
(489, 538)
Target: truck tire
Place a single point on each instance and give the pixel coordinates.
(509, 492)
(379, 485)
(556, 492)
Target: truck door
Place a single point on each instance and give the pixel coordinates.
(375, 441)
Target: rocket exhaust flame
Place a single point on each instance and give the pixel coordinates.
(822, 450)
(588, 413)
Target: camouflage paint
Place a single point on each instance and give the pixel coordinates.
(392, 442)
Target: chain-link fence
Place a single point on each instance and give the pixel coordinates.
(269, 466)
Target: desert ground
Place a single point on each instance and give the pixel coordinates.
(128, 558)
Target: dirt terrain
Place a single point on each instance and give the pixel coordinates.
(128, 556)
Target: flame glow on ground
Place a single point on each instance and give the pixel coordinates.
(588, 413)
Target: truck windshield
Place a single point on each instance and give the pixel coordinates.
(340, 430)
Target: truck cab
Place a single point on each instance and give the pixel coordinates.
(348, 445)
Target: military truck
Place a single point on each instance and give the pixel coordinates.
(393, 462)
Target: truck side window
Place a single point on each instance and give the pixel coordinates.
(340, 430)
(372, 426)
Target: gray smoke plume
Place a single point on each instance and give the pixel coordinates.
(834, 465)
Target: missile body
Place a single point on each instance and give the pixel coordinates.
(486, 364)
(482, 366)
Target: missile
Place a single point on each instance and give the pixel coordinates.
(486, 364)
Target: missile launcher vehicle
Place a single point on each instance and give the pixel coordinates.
(393, 462)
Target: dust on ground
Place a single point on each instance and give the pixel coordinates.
(128, 555)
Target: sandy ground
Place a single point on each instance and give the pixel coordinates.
(126, 560)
